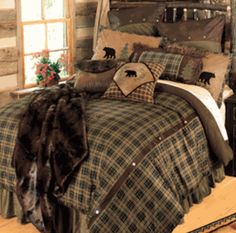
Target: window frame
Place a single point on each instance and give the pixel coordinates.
(69, 19)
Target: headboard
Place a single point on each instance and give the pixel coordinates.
(184, 9)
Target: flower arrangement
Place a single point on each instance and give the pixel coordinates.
(47, 71)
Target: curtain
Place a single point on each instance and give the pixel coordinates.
(101, 20)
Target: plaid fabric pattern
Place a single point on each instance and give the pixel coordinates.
(156, 69)
(169, 171)
(149, 198)
(143, 93)
(9, 120)
(180, 68)
(172, 61)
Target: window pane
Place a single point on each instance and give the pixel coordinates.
(54, 9)
(30, 69)
(30, 10)
(56, 36)
(34, 38)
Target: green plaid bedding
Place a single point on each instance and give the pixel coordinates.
(172, 61)
(144, 160)
(9, 120)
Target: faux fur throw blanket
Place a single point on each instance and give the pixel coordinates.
(51, 144)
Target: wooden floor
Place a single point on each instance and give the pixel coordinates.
(221, 203)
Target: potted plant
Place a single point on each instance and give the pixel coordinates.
(47, 71)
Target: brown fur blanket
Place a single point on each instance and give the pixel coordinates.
(51, 144)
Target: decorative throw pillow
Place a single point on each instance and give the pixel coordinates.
(183, 50)
(135, 81)
(204, 34)
(139, 48)
(96, 66)
(118, 45)
(94, 82)
(215, 69)
(180, 68)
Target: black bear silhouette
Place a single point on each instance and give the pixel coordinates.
(109, 53)
(131, 73)
(205, 77)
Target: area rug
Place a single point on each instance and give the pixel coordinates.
(223, 225)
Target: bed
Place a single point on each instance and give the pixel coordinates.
(116, 157)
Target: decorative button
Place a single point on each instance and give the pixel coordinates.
(97, 212)
(185, 122)
(133, 164)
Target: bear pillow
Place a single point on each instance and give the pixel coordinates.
(119, 45)
(135, 82)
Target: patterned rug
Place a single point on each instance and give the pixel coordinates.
(223, 225)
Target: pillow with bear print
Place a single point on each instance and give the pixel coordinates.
(119, 45)
(214, 73)
(135, 82)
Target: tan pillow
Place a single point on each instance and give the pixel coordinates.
(131, 76)
(94, 82)
(137, 92)
(119, 45)
(215, 68)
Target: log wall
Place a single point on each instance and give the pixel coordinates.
(85, 11)
(8, 49)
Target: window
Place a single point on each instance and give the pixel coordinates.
(45, 24)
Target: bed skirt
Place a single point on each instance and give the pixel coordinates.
(65, 217)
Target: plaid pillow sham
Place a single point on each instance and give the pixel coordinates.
(181, 68)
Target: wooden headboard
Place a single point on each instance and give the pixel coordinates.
(183, 8)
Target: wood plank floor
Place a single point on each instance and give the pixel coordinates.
(219, 204)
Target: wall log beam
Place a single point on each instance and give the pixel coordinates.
(7, 68)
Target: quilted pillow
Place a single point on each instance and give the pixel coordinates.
(215, 70)
(204, 34)
(119, 45)
(135, 81)
(180, 68)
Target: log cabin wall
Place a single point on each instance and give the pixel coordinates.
(8, 49)
(85, 11)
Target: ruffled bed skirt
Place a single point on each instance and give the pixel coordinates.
(65, 217)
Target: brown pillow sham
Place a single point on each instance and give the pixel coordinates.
(147, 29)
(136, 15)
(204, 34)
(135, 82)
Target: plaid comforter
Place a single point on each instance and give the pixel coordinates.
(144, 159)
